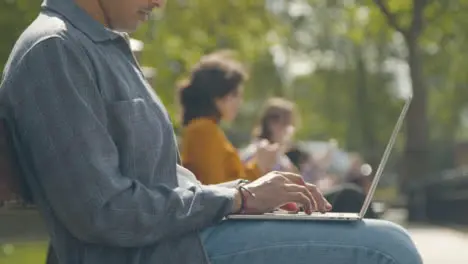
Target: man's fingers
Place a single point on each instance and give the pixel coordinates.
(294, 183)
(294, 188)
(294, 178)
(291, 207)
(301, 198)
(322, 204)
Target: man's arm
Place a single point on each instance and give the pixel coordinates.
(61, 120)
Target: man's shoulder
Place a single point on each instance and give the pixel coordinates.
(46, 27)
(46, 37)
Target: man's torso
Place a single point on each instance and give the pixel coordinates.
(138, 123)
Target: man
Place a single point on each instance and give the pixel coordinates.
(100, 156)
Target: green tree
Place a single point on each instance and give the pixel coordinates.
(349, 95)
(413, 19)
(15, 15)
(188, 29)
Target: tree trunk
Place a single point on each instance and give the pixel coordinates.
(415, 158)
(416, 149)
(363, 113)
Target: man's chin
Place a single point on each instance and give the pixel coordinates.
(128, 28)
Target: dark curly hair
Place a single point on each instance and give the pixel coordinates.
(213, 77)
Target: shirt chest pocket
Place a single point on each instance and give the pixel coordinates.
(138, 132)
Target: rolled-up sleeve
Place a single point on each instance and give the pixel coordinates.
(60, 118)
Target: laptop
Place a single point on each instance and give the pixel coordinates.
(336, 216)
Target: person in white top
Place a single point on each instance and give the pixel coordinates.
(276, 126)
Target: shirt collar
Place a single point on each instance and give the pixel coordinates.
(81, 20)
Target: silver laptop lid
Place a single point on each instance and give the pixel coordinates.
(385, 156)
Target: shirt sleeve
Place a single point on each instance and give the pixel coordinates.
(61, 120)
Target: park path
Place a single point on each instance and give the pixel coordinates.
(436, 244)
(440, 245)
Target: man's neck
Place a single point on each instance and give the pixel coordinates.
(93, 8)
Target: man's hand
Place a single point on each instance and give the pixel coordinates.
(276, 189)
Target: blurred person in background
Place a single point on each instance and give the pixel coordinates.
(213, 93)
(349, 194)
(299, 158)
(276, 125)
(319, 167)
(311, 169)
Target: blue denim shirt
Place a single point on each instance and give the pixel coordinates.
(99, 147)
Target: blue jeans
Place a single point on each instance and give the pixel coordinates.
(291, 242)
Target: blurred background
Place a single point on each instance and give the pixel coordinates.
(348, 65)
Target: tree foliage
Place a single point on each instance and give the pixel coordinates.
(346, 92)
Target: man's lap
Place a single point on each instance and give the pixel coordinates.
(369, 241)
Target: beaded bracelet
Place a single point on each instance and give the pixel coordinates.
(243, 207)
(243, 201)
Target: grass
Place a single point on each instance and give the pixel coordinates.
(23, 253)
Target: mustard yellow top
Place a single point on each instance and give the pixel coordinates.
(211, 157)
